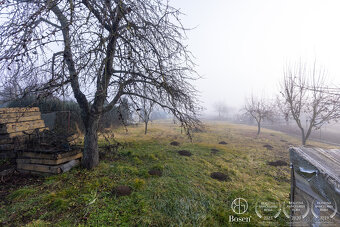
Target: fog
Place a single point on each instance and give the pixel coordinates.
(242, 46)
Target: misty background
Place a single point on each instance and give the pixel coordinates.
(242, 46)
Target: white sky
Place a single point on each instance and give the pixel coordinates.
(241, 46)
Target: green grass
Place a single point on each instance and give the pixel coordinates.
(185, 195)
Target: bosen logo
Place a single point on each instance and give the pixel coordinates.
(239, 206)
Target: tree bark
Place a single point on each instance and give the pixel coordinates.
(304, 139)
(146, 128)
(258, 128)
(91, 154)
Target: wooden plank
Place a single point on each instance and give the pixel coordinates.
(36, 155)
(48, 169)
(39, 168)
(21, 126)
(19, 110)
(19, 115)
(49, 161)
(33, 172)
(67, 154)
(19, 119)
(19, 134)
(50, 156)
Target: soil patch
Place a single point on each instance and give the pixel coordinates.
(184, 153)
(16, 180)
(269, 147)
(174, 143)
(122, 190)
(155, 172)
(223, 142)
(220, 176)
(278, 163)
(214, 151)
(285, 141)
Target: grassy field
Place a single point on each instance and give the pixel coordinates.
(185, 194)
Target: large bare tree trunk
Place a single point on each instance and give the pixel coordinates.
(91, 154)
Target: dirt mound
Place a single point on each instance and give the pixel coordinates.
(278, 163)
(285, 141)
(155, 172)
(122, 190)
(220, 176)
(269, 147)
(223, 142)
(214, 151)
(174, 143)
(184, 153)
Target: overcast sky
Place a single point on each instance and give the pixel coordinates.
(241, 46)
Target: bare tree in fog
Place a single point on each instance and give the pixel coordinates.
(281, 108)
(222, 109)
(304, 96)
(101, 51)
(144, 110)
(258, 109)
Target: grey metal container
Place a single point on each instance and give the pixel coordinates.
(315, 186)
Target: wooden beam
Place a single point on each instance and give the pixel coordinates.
(6, 136)
(49, 169)
(19, 119)
(19, 110)
(21, 126)
(19, 115)
(51, 156)
(48, 161)
(33, 172)
(39, 168)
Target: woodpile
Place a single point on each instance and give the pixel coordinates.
(34, 162)
(16, 124)
(26, 140)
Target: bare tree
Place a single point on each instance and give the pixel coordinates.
(102, 51)
(144, 110)
(222, 109)
(258, 109)
(12, 85)
(281, 109)
(305, 98)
